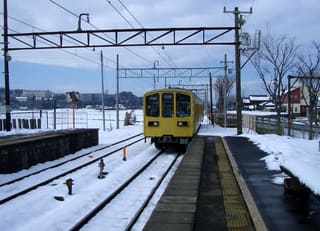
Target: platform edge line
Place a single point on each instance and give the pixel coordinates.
(252, 207)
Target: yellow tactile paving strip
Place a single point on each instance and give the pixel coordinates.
(237, 215)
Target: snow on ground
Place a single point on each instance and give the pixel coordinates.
(300, 156)
(40, 210)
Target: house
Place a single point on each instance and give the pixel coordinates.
(256, 102)
(299, 100)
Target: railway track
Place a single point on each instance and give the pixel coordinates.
(66, 161)
(91, 219)
(90, 193)
(117, 147)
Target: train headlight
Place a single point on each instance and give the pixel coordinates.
(182, 124)
(153, 123)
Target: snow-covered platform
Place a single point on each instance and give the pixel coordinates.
(277, 211)
(19, 152)
(203, 193)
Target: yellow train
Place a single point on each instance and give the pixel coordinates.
(171, 116)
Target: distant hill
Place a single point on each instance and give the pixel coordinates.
(44, 99)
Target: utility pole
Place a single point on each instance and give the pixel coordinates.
(238, 22)
(6, 59)
(211, 103)
(225, 82)
(102, 93)
(117, 94)
(289, 105)
(154, 75)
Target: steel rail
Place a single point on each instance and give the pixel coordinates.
(154, 190)
(64, 162)
(4, 200)
(85, 219)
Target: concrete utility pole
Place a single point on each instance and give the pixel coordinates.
(154, 75)
(117, 94)
(211, 103)
(225, 64)
(237, 24)
(6, 59)
(102, 93)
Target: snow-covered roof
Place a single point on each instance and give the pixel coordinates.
(267, 104)
(259, 98)
(246, 100)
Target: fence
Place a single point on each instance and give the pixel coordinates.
(60, 119)
(65, 119)
(231, 120)
(26, 120)
(268, 125)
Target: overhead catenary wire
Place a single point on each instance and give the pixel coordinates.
(95, 27)
(64, 50)
(140, 24)
(132, 27)
(35, 27)
(135, 18)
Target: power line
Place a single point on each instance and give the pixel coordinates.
(95, 27)
(140, 24)
(132, 26)
(62, 7)
(118, 11)
(32, 26)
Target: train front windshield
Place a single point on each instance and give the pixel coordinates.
(167, 105)
(183, 105)
(152, 105)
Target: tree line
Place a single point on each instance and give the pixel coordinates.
(276, 58)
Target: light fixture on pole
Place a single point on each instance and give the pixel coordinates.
(79, 20)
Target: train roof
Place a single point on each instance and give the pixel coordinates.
(176, 89)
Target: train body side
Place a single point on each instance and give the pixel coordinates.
(171, 116)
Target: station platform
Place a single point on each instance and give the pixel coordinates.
(277, 211)
(19, 152)
(203, 194)
(222, 184)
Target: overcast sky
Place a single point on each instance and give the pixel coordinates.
(60, 71)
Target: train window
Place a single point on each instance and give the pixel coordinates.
(167, 105)
(152, 105)
(183, 105)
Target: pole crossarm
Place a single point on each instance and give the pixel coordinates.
(196, 72)
(122, 37)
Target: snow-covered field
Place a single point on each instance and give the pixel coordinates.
(298, 155)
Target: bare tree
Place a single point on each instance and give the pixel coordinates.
(309, 71)
(273, 61)
(223, 86)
